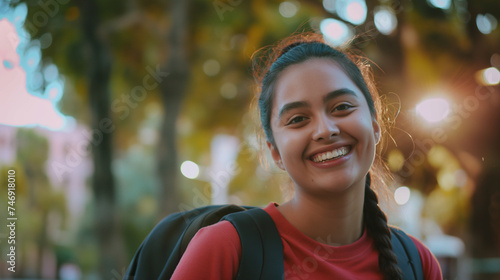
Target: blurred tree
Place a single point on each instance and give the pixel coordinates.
(485, 223)
(173, 89)
(37, 204)
(107, 225)
(80, 48)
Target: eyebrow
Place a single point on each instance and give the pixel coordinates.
(293, 105)
(337, 93)
(329, 96)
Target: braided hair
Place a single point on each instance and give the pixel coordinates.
(376, 225)
(297, 49)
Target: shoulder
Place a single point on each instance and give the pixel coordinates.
(211, 235)
(430, 265)
(214, 251)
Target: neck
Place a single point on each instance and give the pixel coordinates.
(336, 220)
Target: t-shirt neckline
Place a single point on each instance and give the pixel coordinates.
(291, 234)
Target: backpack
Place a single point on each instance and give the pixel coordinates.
(261, 247)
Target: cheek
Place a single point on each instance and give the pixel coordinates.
(287, 144)
(362, 130)
(291, 146)
(370, 140)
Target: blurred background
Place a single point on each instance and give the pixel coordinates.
(114, 114)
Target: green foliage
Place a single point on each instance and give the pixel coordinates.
(39, 208)
(137, 194)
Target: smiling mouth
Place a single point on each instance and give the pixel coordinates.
(331, 155)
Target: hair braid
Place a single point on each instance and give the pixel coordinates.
(376, 224)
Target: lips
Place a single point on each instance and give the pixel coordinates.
(331, 155)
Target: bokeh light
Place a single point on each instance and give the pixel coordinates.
(329, 5)
(190, 169)
(446, 178)
(491, 76)
(449, 172)
(486, 23)
(32, 58)
(395, 160)
(385, 20)
(402, 195)
(45, 40)
(50, 73)
(441, 4)
(356, 12)
(335, 32)
(433, 109)
(228, 90)
(353, 11)
(440, 157)
(288, 9)
(211, 67)
(36, 82)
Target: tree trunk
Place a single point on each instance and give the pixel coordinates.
(173, 89)
(484, 222)
(99, 70)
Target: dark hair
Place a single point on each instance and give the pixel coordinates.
(297, 49)
(295, 54)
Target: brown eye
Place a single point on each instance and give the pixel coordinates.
(297, 119)
(343, 107)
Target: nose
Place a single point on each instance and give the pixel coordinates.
(325, 128)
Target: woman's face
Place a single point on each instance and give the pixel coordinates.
(324, 133)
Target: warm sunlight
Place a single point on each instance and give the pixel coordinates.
(433, 110)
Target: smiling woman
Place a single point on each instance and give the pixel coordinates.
(332, 117)
(320, 114)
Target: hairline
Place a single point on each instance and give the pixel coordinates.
(333, 60)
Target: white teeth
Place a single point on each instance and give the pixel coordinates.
(340, 152)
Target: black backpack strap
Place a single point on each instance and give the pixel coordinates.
(261, 246)
(204, 220)
(407, 254)
(161, 251)
(201, 217)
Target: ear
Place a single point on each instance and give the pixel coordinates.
(276, 155)
(376, 131)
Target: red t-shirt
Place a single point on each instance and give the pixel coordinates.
(214, 253)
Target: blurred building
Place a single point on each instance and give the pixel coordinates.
(68, 165)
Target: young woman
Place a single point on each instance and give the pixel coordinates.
(319, 113)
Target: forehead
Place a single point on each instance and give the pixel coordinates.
(311, 78)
